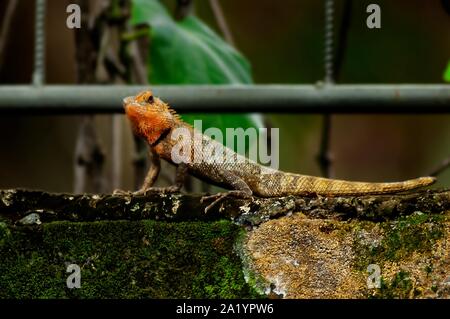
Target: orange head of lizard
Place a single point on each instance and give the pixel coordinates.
(149, 116)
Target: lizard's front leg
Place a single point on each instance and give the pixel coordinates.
(153, 173)
(150, 178)
(239, 186)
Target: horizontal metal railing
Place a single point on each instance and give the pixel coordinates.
(325, 98)
(79, 99)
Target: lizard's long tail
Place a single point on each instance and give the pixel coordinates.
(296, 184)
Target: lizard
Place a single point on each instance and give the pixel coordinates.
(156, 122)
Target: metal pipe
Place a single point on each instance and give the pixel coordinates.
(63, 99)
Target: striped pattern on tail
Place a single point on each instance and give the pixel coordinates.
(282, 184)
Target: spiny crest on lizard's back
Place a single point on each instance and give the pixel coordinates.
(149, 116)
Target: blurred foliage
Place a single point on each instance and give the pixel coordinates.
(447, 73)
(189, 52)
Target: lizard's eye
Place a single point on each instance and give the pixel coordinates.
(148, 98)
(145, 97)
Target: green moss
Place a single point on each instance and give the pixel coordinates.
(417, 232)
(400, 286)
(428, 269)
(123, 259)
(255, 280)
(4, 233)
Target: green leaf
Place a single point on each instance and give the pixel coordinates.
(189, 52)
(447, 73)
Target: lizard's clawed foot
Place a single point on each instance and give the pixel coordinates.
(154, 190)
(122, 192)
(221, 196)
(160, 190)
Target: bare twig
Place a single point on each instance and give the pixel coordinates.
(221, 21)
(6, 26)
(441, 167)
(325, 157)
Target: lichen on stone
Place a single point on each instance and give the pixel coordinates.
(319, 258)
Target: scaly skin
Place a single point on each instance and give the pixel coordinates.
(155, 121)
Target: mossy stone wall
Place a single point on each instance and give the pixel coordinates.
(122, 259)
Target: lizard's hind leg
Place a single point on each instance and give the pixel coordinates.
(240, 189)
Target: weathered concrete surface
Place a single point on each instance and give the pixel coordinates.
(18, 203)
(165, 246)
(311, 258)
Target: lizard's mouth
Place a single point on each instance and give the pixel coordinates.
(130, 104)
(136, 102)
(128, 100)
